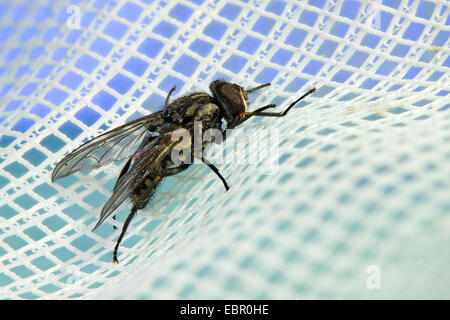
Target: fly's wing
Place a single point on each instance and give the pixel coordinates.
(115, 145)
(145, 161)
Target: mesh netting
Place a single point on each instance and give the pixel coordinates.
(359, 206)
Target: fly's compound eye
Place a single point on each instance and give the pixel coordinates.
(230, 93)
(236, 96)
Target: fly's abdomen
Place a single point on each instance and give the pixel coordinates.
(143, 193)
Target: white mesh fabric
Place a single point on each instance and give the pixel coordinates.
(359, 207)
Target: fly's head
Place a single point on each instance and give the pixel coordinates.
(232, 99)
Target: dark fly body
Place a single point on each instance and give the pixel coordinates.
(148, 143)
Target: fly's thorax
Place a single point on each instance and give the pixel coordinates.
(209, 115)
(183, 110)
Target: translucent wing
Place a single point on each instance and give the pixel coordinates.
(147, 161)
(115, 145)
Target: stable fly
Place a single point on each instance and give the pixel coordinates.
(147, 144)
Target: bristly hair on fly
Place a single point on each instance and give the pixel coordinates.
(147, 144)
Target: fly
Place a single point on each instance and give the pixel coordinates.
(148, 143)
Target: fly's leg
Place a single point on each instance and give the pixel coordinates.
(172, 171)
(124, 229)
(258, 87)
(227, 131)
(246, 117)
(213, 168)
(169, 94)
(260, 112)
(216, 171)
(122, 172)
(265, 108)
